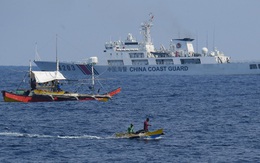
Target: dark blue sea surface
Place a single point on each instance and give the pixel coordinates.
(205, 119)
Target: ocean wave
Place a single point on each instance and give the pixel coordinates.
(17, 134)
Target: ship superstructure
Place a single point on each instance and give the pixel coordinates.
(132, 57)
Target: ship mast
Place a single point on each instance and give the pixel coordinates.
(37, 56)
(92, 62)
(57, 61)
(146, 30)
(30, 71)
(93, 77)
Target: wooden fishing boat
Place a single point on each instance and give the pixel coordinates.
(45, 88)
(30, 96)
(147, 135)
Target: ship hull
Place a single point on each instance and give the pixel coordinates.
(71, 69)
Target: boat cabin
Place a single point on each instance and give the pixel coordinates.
(46, 80)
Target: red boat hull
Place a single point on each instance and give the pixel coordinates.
(13, 97)
(114, 92)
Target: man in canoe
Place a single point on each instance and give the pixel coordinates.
(145, 129)
(130, 129)
(146, 124)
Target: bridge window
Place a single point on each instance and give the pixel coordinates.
(140, 62)
(253, 66)
(136, 55)
(191, 61)
(164, 61)
(115, 62)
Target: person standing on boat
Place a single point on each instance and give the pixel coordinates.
(130, 129)
(58, 86)
(33, 84)
(146, 124)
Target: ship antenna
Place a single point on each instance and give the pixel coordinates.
(151, 17)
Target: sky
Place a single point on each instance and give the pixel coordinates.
(83, 26)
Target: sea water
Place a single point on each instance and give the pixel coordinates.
(205, 119)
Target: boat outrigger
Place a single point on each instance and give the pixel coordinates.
(144, 135)
(45, 88)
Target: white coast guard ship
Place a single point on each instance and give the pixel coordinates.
(131, 57)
